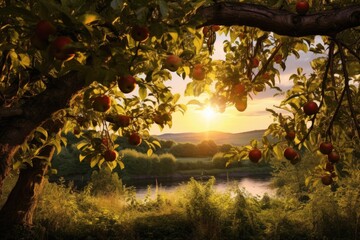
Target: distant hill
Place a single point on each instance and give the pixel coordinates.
(219, 138)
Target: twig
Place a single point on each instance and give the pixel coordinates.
(135, 56)
(333, 78)
(336, 112)
(348, 48)
(347, 88)
(266, 64)
(323, 88)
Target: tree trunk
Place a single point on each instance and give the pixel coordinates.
(22, 201)
(20, 206)
(7, 153)
(14, 130)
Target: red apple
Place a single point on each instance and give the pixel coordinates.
(158, 119)
(76, 131)
(266, 76)
(329, 167)
(326, 180)
(278, 58)
(205, 30)
(302, 6)
(110, 155)
(215, 28)
(290, 154)
(134, 139)
(44, 29)
(59, 51)
(101, 103)
(198, 72)
(241, 104)
(310, 108)
(139, 33)
(333, 157)
(123, 120)
(326, 147)
(255, 62)
(173, 62)
(290, 135)
(238, 90)
(259, 87)
(255, 155)
(127, 83)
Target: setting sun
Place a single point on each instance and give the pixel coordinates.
(209, 113)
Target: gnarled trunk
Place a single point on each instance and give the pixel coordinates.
(20, 206)
(22, 201)
(7, 153)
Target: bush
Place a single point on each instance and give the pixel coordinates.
(219, 161)
(105, 182)
(167, 164)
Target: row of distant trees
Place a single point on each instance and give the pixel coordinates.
(206, 148)
(162, 162)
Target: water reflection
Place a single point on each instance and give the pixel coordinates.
(253, 186)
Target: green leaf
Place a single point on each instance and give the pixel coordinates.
(176, 97)
(198, 43)
(42, 131)
(278, 152)
(121, 165)
(157, 143)
(308, 180)
(149, 152)
(17, 165)
(195, 102)
(24, 60)
(142, 92)
(82, 144)
(94, 161)
(82, 157)
(57, 145)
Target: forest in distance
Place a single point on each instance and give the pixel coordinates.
(174, 161)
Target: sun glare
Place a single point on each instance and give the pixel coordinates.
(209, 113)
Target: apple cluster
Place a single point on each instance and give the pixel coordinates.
(333, 157)
(58, 47)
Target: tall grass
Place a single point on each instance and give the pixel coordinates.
(195, 211)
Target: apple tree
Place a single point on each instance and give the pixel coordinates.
(100, 70)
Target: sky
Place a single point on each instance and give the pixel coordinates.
(255, 117)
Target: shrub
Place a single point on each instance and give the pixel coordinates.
(105, 182)
(167, 164)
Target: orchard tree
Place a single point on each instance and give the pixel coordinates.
(100, 69)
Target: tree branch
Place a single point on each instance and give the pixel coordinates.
(282, 22)
(39, 108)
(347, 88)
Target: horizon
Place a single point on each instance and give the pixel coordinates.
(253, 118)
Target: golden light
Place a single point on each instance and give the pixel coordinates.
(209, 113)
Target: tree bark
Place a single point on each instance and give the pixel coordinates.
(14, 130)
(22, 201)
(7, 153)
(282, 22)
(20, 206)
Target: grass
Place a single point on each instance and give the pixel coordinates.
(193, 211)
(246, 167)
(193, 159)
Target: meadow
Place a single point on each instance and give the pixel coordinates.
(105, 209)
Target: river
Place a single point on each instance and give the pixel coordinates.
(255, 186)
